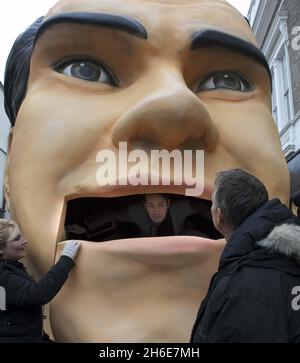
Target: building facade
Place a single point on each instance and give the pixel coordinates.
(276, 24)
(4, 131)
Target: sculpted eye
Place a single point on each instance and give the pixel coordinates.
(87, 71)
(225, 80)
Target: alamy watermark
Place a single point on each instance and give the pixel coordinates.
(2, 298)
(158, 167)
(296, 38)
(296, 299)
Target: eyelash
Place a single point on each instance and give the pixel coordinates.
(244, 82)
(97, 72)
(60, 65)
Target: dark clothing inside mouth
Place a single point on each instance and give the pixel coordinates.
(106, 219)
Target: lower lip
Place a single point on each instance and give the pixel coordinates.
(155, 245)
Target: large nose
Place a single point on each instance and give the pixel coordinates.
(167, 119)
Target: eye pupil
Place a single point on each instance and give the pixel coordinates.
(227, 81)
(85, 71)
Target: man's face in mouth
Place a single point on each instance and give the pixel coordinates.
(157, 75)
(157, 207)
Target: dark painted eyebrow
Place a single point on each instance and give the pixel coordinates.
(122, 23)
(208, 38)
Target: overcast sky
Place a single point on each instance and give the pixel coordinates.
(16, 15)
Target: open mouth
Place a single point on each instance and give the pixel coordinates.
(108, 219)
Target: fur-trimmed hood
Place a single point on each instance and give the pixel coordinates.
(263, 225)
(284, 239)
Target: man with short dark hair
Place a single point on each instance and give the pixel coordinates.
(157, 208)
(237, 194)
(253, 296)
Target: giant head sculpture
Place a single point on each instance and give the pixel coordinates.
(168, 74)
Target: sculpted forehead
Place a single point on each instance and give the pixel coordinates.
(187, 15)
(78, 3)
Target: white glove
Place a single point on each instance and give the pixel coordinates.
(71, 249)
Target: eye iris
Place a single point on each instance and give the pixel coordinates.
(85, 71)
(227, 81)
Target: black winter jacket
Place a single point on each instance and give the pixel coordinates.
(22, 319)
(255, 295)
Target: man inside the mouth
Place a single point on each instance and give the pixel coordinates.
(106, 219)
(157, 208)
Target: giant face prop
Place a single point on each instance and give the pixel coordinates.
(182, 74)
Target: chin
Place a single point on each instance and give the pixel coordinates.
(128, 288)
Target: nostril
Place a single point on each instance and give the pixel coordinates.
(193, 143)
(144, 143)
(169, 121)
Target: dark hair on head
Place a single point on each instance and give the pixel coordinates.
(164, 195)
(17, 70)
(238, 194)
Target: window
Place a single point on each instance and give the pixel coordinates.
(276, 50)
(281, 98)
(286, 89)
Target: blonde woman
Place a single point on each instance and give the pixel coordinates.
(24, 298)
